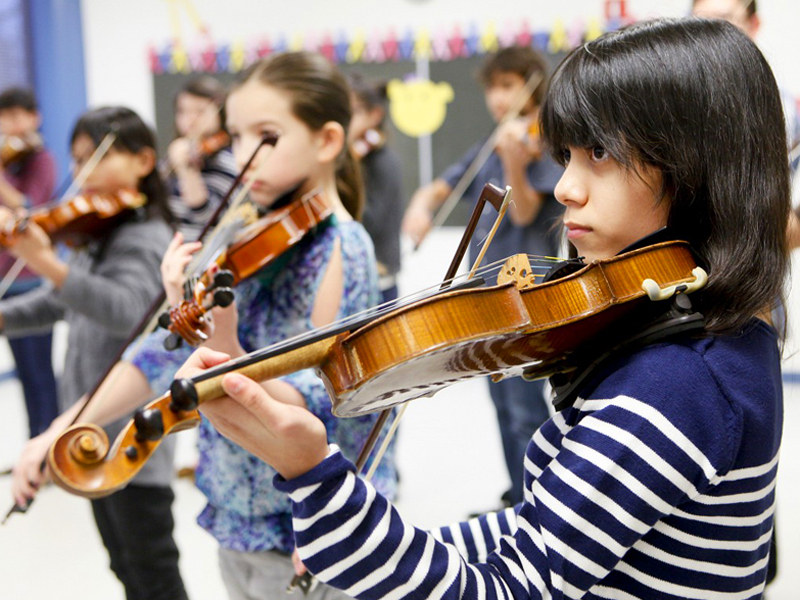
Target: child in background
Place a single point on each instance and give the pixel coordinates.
(27, 181)
(102, 293)
(517, 161)
(380, 166)
(200, 164)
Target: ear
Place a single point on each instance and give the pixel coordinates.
(145, 162)
(331, 139)
(753, 25)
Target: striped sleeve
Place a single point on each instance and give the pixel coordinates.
(613, 477)
(476, 538)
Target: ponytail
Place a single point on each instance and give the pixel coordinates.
(350, 185)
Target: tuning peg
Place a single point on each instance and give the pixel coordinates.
(223, 297)
(164, 320)
(223, 279)
(184, 395)
(149, 425)
(173, 341)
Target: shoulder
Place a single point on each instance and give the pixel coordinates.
(221, 163)
(42, 161)
(711, 389)
(150, 235)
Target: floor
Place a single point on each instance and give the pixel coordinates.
(449, 456)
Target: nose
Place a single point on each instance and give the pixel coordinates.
(571, 188)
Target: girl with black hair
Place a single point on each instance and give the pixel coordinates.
(658, 482)
(102, 292)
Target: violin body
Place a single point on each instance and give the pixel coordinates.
(417, 350)
(257, 246)
(83, 217)
(210, 145)
(409, 353)
(14, 148)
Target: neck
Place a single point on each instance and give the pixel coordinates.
(327, 184)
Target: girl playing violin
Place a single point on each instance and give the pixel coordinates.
(102, 292)
(658, 481)
(201, 164)
(330, 274)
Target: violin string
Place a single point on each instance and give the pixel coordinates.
(387, 307)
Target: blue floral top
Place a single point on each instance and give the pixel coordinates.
(244, 511)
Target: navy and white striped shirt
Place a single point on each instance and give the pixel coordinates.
(657, 484)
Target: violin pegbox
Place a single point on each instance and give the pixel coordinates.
(517, 269)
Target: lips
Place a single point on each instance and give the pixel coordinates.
(576, 230)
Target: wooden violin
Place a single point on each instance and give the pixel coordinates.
(210, 145)
(255, 247)
(372, 363)
(15, 148)
(78, 219)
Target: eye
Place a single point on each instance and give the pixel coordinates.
(599, 153)
(565, 156)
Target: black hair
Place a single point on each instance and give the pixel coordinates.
(16, 97)
(695, 99)
(371, 94)
(520, 60)
(319, 94)
(132, 135)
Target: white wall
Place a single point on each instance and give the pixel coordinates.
(117, 32)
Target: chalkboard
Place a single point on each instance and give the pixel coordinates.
(467, 120)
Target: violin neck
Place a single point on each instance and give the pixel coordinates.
(305, 357)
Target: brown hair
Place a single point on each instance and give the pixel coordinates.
(520, 60)
(319, 94)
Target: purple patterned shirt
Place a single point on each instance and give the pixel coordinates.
(244, 511)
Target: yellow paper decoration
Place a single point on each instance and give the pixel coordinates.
(558, 38)
(357, 46)
(594, 30)
(488, 42)
(238, 57)
(422, 45)
(180, 60)
(418, 107)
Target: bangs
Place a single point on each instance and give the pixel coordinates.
(585, 109)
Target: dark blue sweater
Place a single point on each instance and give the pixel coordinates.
(657, 484)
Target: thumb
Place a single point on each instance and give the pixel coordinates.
(250, 395)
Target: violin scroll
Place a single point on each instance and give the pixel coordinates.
(82, 461)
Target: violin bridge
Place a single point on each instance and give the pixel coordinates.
(517, 269)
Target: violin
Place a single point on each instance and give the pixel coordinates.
(80, 218)
(255, 247)
(372, 140)
(210, 145)
(372, 363)
(15, 148)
